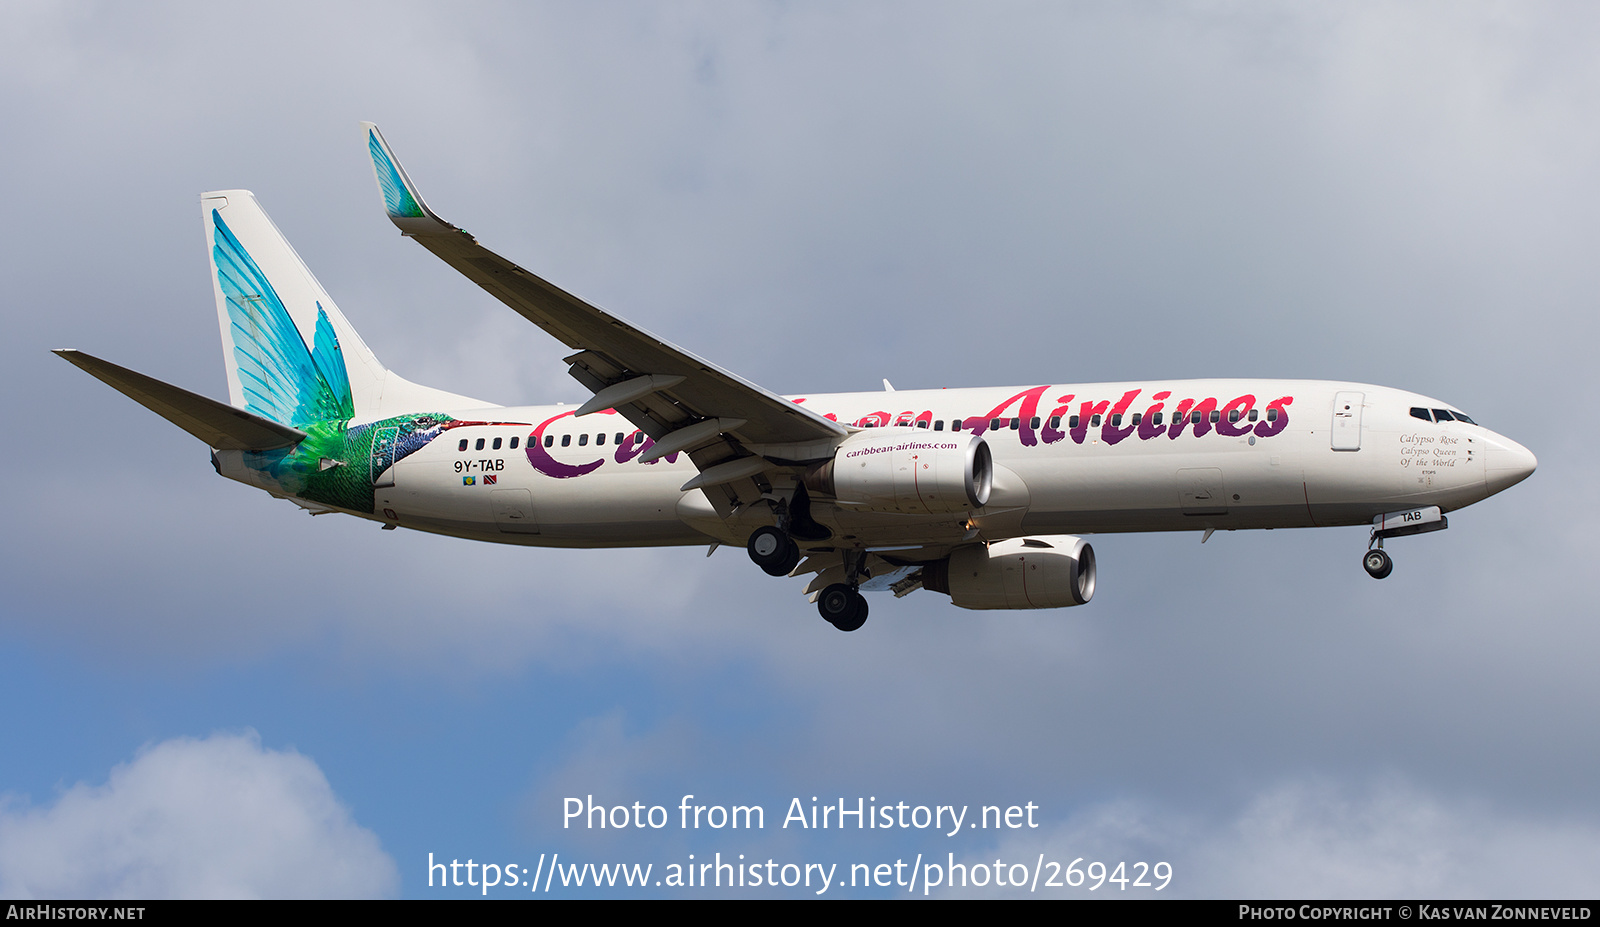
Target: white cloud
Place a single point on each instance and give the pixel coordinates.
(215, 818)
(1319, 839)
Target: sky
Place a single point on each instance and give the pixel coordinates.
(211, 694)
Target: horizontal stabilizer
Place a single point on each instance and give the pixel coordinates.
(219, 425)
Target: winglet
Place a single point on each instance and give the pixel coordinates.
(400, 197)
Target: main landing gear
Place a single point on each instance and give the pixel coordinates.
(773, 550)
(843, 607)
(840, 604)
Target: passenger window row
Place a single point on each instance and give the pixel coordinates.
(549, 441)
(995, 424)
(479, 444)
(583, 440)
(1073, 421)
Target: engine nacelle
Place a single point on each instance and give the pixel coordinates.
(910, 471)
(1046, 572)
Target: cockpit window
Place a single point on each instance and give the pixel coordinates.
(1420, 412)
(1463, 418)
(1440, 415)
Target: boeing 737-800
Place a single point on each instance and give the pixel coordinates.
(980, 494)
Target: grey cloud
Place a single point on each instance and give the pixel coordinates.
(1322, 838)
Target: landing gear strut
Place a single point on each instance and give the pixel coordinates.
(773, 550)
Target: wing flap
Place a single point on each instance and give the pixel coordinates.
(219, 425)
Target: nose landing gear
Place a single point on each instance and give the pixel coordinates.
(1398, 525)
(1377, 563)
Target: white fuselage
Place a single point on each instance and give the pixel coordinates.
(1070, 459)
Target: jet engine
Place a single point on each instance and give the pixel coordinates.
(910, 471)
(1046, 572)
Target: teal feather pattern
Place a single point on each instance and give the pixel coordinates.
(336, 464)
(396, 198)
(282, 380)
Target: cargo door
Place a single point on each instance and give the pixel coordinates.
(1200, 492)
(513, 511)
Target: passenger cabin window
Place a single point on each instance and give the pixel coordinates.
(1072, 422)
(1116, 420)
(514, 441)
(922, 423)
(1055, 422)
(1272, 415)
(994, 424)
(955, 424)
(1254, 415)
(1095, 422)
(549, 440)
(479, 445)
(1233, 416)
(583, 440)
(1156, 418)
(463, 445)
(1215, 416)
(1016, 423)
(1134, 420)
(618, 442)
(1033, 422)
(600, 438)
(566, 440)
(496, 444)
(939, 425)
(1194, 417)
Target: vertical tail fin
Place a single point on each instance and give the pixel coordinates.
(291, 355)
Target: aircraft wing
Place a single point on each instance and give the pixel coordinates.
(682, 401)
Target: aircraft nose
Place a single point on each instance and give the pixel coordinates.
(1506, 463)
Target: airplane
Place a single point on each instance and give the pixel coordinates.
(979, 494)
